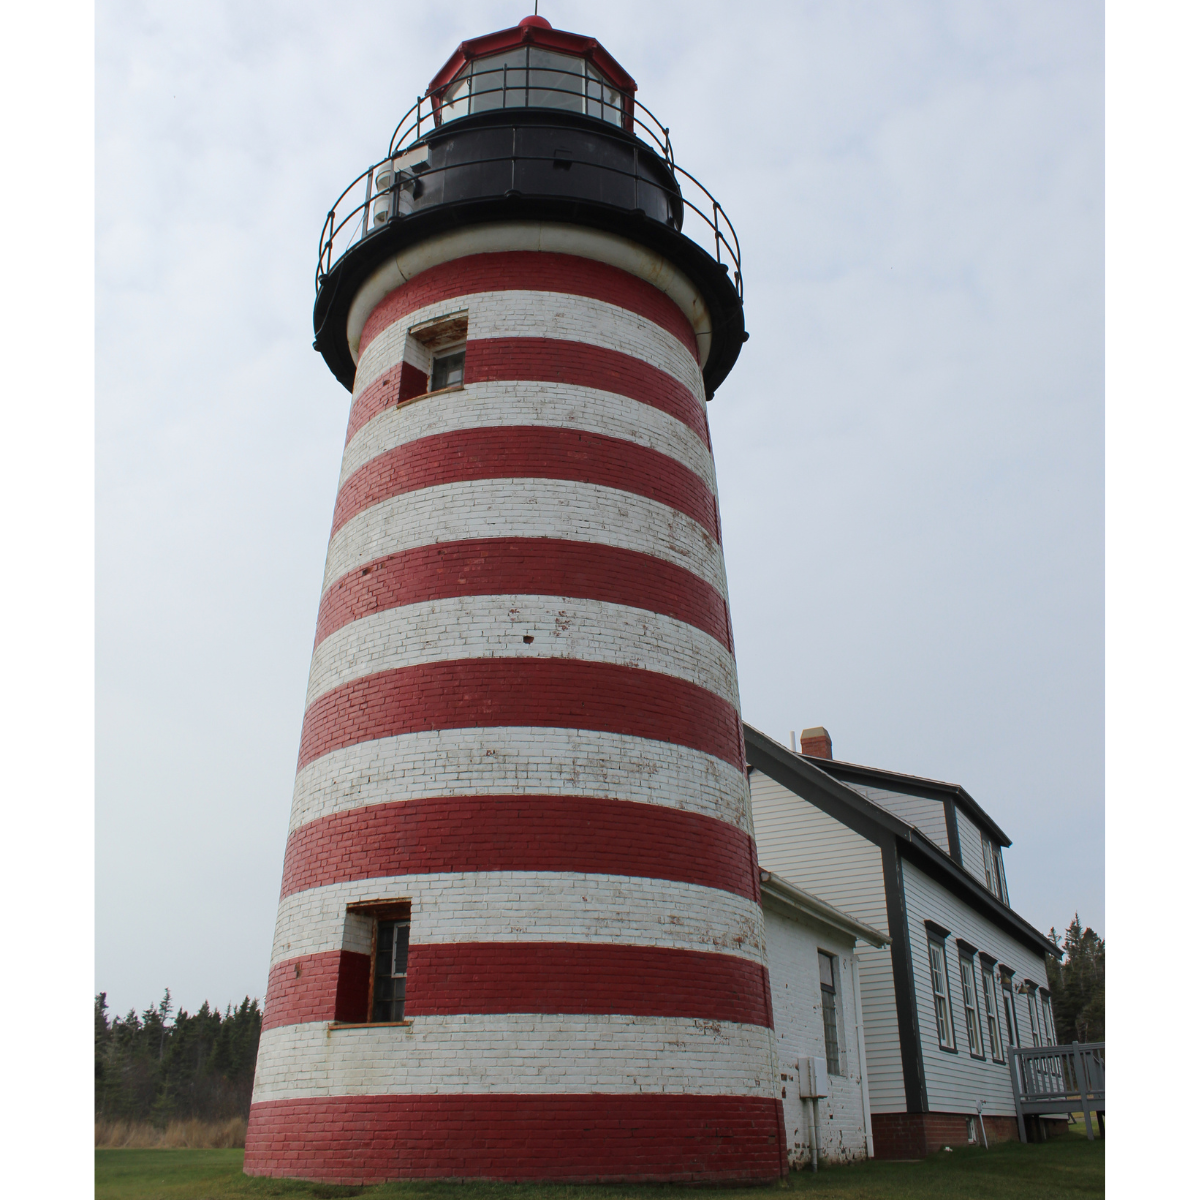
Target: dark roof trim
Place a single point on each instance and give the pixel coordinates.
(915, 785)
(938, 931)
(800, 774)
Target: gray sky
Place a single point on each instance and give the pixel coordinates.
(910, 450)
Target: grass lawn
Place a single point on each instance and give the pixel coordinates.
(1066, 1167)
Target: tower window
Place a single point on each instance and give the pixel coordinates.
(448, 369)
(390, 972)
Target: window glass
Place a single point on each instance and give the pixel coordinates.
(498, 81)
(391, 970)
(603, 100)
(555, 80)
(1033, 1019)
(1048, 1021)
(991, 1010)
(1010, 1011)
(966, 968)
(447, 369)
(941, 996)
(829, 1013)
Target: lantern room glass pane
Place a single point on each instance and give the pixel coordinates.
(498, 81)
(603, 100)
(555, 80)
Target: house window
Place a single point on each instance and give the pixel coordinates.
(941, 994)
(966, 969)
(990, 1008)
(1010, 1008)
(993, 868)
(829, 1011)
(448, 369)
(1048, 1019)
(1030, 991)
(390, 970)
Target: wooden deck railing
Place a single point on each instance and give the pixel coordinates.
(1058, 1079)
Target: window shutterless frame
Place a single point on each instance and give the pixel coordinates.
(829, 1012)
(991, 1010)
(1048, 1018)
(966, 969)
(1010, 1009)
(941, 994)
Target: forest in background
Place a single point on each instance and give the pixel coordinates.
(1077, 985)
(198, 1066)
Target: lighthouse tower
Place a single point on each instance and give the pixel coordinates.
(520, 931)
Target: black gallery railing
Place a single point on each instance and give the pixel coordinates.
(386, 190)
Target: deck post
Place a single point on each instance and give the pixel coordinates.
(1081, 1078)
(1016, 1087)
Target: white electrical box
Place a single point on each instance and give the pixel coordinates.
(813, 1077)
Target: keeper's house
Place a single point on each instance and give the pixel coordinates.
(963, 977)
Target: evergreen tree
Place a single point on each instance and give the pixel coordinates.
(1077, 984)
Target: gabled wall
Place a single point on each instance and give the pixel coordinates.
(818, 853)
(972, 846)
(929, 816)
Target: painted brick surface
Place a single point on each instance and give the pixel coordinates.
(528, 906)
(497, 404)
(574, 834)
(518, 761)
(523, 721)
(510, 626)
(792, 949)
(566, 1137)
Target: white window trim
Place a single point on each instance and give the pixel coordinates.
(966, 973)
(937, 966)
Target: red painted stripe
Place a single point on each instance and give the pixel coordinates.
(526, 452)
(454, 834)
(526, 567)
(570, 978)
(550, 360)
(531, 271)
(560, 693)
(648, 1136)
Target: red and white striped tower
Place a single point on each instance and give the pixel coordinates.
(520, 931)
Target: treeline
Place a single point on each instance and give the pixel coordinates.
(1077, 985)
(151, 1068)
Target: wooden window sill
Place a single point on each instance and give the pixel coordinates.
(366, 1024)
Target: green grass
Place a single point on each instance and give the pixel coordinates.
(1062, 1169)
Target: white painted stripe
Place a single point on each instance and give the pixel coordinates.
(525, 508)
(551, 405)
(528, 906)
(518, 761)
(550, 237)
(462, 627)
(540, 315)
(525, 1053)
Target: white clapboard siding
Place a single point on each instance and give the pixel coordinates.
(818, 853)
(954, 1082)
(929, 816)
(970, 841)
(792, 948)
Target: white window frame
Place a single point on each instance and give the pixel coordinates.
(992, 1010)
(966, 971)
(835, 1063)
(1048, 1017)
(1009, 997)
(943, 1010)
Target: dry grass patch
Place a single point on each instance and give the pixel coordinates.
(178, 1135)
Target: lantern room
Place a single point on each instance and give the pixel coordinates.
(533, 66)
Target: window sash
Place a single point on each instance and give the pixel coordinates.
(829, 1012)
(1010, 1012)
(1048, 1014)
(1034, 1024)
(390, 975)
(941, 996)
(993, 1015)
(966, 968)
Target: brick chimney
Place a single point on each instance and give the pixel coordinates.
(816, 742)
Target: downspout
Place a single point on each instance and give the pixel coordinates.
(862, 1055)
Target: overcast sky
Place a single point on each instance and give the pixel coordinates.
(909, 451)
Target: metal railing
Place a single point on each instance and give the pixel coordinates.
(1055, 1079)
(348, 221)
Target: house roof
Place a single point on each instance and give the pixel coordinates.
(796, 771)
(789, 895)
(912, 785)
